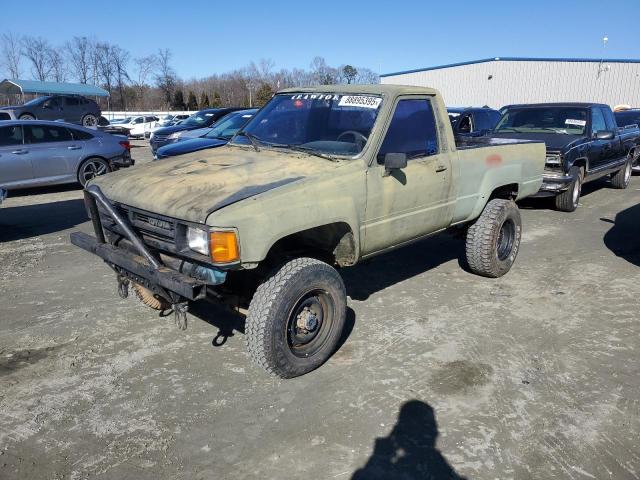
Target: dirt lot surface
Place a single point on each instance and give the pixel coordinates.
(442, 373)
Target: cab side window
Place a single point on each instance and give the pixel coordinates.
(46, 134)
(597, 120)
(10, 136)
(412, 131)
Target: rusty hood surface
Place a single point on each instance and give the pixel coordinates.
(190, 187)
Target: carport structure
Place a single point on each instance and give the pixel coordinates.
(35, 87)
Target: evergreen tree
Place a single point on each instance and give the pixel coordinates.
(217, 100)
(204, 100)
(263, 94)
(192, 102)
(178, 101)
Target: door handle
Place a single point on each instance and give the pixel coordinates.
(74, 147)
(440, 168)
(20, 152)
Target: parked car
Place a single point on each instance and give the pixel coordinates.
(629, 119)
(105, 126)
(36, 153)
(472, 120)
(583, 144)
(201, 119)
(137, 126)
(319, 177)
(171, 119)
(68, 108)
(219, 135)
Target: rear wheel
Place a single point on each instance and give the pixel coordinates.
(27, 116)
(296, 317)
(91, 168)
(493, 240)
(568, 200)
(621, 178)
(89, 120)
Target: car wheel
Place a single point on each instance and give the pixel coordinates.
(296, 317)
(26, 116)
(493, 240)
(92, 168)
(89, 120)
(568, 200)
(621, 178)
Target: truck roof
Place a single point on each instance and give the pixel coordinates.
(375, 89)
(557, 104)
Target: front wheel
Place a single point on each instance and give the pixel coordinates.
(296, 317)
(568, 200)
(89, 120)
(493, 240)
(26, 116)
(91, 168)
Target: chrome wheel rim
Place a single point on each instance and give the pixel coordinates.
(92, 169)
(89, 121)
(627, 172)
(576, 192)
(27, 117)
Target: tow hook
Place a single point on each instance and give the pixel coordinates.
(180, 311)
(123, 286)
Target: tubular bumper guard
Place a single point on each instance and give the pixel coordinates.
(145, 268)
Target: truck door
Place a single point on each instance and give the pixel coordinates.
(618, 150)
(601, 151)
(416, 200)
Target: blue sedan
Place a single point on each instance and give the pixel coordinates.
(218, 136)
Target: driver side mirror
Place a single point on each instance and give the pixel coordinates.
(394, 161)
(46, 105)
(604, 135)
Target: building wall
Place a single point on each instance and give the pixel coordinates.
(529, 82)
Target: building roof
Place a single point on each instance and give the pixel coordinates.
(516, 59)
(50, 88)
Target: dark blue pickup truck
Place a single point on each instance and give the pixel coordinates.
(583, 142)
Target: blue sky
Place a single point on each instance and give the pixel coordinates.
(213, 37)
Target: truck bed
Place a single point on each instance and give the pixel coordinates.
(466, 143)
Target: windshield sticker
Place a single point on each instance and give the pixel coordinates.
(571, 121)
(360, 101)
(208, 114)
(315, 96)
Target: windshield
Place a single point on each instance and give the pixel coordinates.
(325, 123)
(36, 101)
(199, 118)
(228, 126)
(564, 120)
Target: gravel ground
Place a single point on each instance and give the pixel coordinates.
(442, 373)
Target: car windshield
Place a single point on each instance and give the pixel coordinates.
(228, 126)
(563, 120)
(36, 101)
(321, 123)
(198, 118)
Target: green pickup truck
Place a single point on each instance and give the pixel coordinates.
(319, 179)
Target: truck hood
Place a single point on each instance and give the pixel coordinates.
(188, 146)
(176, 128)
(553, 141)
(192, 186)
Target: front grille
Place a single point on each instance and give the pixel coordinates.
(155, 230)
(5, 116)
(160, 138)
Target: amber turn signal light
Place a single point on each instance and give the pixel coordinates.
(224, 247)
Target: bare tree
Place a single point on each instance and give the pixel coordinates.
(366, 75)
(79, 52)
(105, 65)
(120, 59)
(37, 52)
(166, 77)
(322, 73)
(57, 67)
(11, 54)
(144, 67)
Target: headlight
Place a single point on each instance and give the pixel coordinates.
(221, 246)
(151, 136)
(198, 240)
(174, 135)
(553, 160)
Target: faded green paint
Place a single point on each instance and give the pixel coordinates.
(270, 194)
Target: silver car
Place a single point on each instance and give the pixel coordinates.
(36, 153)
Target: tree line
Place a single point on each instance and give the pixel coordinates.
(151, 83)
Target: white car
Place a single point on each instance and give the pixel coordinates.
(139, 126)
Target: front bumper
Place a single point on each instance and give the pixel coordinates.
(141, 265)
(553, 184)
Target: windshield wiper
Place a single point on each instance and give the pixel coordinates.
(252, 138)
(301, 148)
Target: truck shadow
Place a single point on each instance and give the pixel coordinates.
(409, 451)
(22, 222)
(623, 238)
(386, 270)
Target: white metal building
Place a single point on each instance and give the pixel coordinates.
(505, 80)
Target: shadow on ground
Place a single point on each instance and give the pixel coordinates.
(623, 238)
(20, 222)
(409, 451)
